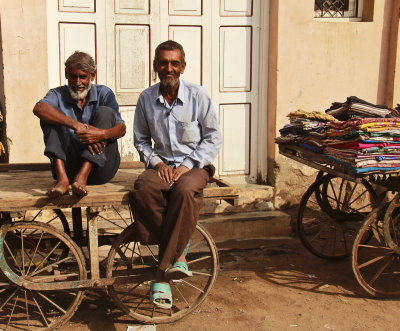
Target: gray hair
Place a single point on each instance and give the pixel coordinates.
(168, 45)
(82, 61)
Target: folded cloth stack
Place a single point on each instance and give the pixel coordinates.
(365, 144)
(356, 107)
(306, 129)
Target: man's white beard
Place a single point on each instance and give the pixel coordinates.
(79, 95)
(171, 83)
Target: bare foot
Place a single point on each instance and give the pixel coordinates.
(79, 188)
(58, 190)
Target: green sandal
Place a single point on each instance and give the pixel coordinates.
(160, 295)
(178, 270)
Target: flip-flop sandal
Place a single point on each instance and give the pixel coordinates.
(160, 295)
(178, 270)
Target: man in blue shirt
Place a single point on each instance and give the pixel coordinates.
(177, 135)
(81, 124)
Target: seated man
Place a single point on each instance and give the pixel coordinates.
(81, 124)
(180, 118)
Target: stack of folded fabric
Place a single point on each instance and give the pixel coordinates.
(306, 129)
(365, 144)
(355, 107)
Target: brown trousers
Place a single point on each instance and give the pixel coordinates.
(166, 215)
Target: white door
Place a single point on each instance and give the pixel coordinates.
(222, 45)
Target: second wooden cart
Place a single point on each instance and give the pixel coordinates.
(345, 214)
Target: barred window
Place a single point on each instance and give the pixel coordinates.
(337, 8)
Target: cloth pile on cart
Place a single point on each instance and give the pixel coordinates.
(358, 134)
(365, 144)
(306, 129)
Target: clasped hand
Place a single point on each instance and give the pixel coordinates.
(169, 175)
(92, 137)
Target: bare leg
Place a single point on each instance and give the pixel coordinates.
(79, 185)
(61, 186)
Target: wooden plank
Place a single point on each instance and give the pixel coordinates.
(23, 190)
(4, 167)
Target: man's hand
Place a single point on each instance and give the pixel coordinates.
(89, 135)
(96, 148)
(178, 172)
(165, 172)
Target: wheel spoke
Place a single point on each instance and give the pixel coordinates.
(34, 254)
(195, 287)
(381, 269)
(51, 302)
(40, 310)
(374, 260)
(8, 298)
(199, 259)
(41, 264)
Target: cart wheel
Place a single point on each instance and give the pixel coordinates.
(327, 228)
(375, 265)
(55, 218)
(347, 201)
(33, 251)
(128, 257)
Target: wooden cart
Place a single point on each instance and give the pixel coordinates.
(48, 258)
(341, 214)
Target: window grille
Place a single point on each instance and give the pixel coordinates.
(336, 8)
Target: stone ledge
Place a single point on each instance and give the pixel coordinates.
(247, 225)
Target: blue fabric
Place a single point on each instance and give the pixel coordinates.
(99, 95)
(315, 149)
(184, 133)
(361, 170)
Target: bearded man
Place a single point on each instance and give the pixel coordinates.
(81, 124)
(177, 136)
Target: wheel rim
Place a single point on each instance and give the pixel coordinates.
(375, 265)
(141, 260)
(33, 251)
(325, 230)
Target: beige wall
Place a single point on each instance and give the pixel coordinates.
(23, 31)
(318, 63)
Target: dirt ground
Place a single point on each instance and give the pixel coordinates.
(278, 286)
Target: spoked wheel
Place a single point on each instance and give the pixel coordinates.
(55, 218)
(376, 266)
(128, 257)
(33, 252)
(330, 214)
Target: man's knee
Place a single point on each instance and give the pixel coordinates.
(103, 117)
(147, 181)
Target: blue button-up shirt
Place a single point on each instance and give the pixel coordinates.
(184, 133)
(99, 95)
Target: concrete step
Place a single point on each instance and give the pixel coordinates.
(254, 225)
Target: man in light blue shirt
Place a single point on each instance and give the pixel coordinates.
(177, 135)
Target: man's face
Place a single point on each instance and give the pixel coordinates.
(79, 83)
(169, 67)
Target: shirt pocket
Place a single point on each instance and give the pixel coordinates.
(188, 132)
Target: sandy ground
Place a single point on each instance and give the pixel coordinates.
(278, 286)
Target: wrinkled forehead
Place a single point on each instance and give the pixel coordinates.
(169, 55)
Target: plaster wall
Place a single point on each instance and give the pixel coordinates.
(318, 63)
(23, 31)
